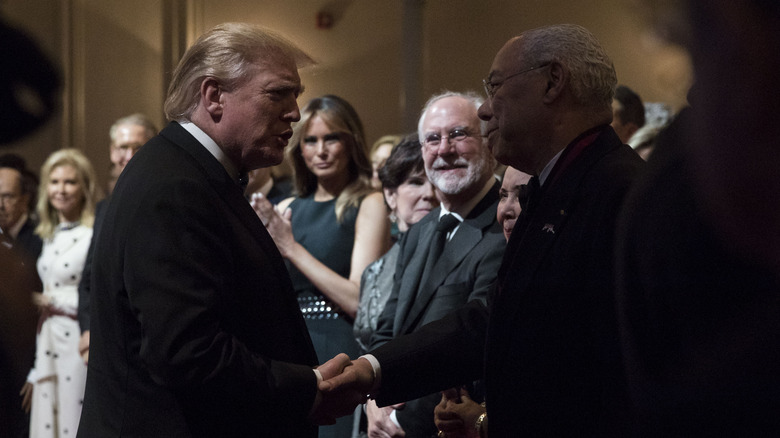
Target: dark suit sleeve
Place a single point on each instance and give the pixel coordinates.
(86, 274)
(487, 265)
(439, 355)
(178, 289)
(84, 289)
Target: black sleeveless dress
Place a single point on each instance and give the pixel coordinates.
(316, 228)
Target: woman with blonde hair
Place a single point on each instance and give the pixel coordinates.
(66, 208)
(335, 226)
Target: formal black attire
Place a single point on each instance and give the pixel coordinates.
(549, 343)
(24, 250)
(85, 283)
(195, 330)
(700, 323)
(465, 271)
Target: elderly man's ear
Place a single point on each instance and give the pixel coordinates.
(211, 97)
(557, 76)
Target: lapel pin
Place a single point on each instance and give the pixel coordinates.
(549, 228)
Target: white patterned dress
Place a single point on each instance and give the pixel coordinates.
(60, 374)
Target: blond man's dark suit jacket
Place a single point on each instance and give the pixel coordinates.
(195, 327)
(549, 343)
(466, 271)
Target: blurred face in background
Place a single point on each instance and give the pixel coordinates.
(13, 203)
(511, 196)
(378, 158)
(129, 138)
(65, 192)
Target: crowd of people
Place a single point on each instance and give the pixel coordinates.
(514, 267)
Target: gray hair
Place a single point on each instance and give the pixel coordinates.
(226, 53)
(470, 96)
(592, 74)
(150, 130)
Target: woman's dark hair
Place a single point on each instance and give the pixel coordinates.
(405, 160)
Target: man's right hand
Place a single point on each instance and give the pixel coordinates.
(26, 393)
(380, 425)
(342, 393)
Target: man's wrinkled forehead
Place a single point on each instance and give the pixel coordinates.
(450, 112)
(507, 59)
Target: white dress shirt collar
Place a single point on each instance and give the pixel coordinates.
(212, 147)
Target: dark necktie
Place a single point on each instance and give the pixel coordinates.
(446, 224)
(531, 196)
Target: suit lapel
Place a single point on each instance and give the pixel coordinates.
(550, 217)
(465, 239)
(413, 271)
(227, 189)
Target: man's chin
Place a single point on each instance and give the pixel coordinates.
(264, 160)
(451, 184)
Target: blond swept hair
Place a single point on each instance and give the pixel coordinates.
(85, 174)
(226, 53)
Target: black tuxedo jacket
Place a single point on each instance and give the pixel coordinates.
(466, 271)
(86, 275)
(549, 344)
(195, 330)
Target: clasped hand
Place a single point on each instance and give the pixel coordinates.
(345, 385)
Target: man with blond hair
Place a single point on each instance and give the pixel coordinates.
(195, 329)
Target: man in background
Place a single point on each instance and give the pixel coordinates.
(16, 224)
(20, 114)
(18, 238)
(550, 348)
(127, 135)
(429, 286)
(628, 113)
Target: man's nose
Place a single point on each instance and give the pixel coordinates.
(445, 146)
(485, 112)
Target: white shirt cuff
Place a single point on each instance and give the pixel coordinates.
(394, 419)
(377, 370)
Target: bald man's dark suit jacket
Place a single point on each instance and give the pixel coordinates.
(466, 271)
(195, 330)
(549, 344)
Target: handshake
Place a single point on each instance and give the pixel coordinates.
(345, 384)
